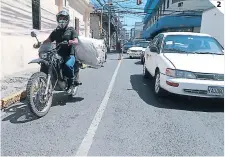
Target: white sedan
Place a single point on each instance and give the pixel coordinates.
(186, 63)
(137, 50)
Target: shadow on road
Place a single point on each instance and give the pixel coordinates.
(144, 89)
(20, 112)
(138, 63)
(134, 58)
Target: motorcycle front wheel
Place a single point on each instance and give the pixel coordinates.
(38, 102)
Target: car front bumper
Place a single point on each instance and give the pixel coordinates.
(192, 87)
(135, 54)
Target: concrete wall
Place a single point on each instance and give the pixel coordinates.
(80, 10)
(189, 5)
(17, 15)
(95, 25)
(215, 26)
(16, 25)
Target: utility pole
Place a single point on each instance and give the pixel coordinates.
(109, 24)
(101, 18)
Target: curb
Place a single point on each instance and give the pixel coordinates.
(19, 96)
(11, 99)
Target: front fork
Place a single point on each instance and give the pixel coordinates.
(48, 83)
(48, 79)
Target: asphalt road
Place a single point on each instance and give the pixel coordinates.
(115, 113)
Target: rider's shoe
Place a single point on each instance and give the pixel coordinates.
(77, 83)
(72, 90)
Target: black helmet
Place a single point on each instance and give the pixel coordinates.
(63, 19)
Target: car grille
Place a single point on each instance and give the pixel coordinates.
(216, 77)
(136, 51)
(193, 91)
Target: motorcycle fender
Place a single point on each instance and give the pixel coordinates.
(39, 60)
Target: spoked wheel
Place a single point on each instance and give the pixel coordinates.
(38, 102)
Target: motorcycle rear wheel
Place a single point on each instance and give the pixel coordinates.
(46, 103)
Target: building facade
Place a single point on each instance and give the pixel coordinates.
(20, 17)
(138, 29)
(215, 26)
(173, 15)
(127, 36)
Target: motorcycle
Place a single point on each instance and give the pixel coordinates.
(50, 78)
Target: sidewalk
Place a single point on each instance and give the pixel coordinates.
(13, 87)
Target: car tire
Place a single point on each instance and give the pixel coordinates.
(159, 92)
(142, 60)
(130, 57)
(146, 74)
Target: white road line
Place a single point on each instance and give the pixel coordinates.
(83, 149)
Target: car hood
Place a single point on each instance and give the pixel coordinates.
(137, 48)
(204, 63)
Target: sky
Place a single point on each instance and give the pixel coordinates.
(130, 19)
(122, 5)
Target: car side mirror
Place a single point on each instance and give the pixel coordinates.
(153, 49)
(33, 34)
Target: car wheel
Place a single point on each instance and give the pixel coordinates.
(130, 57)
(157, 88)
(142, 60)
(146, 74)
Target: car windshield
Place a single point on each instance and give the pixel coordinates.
(192, 44)
(128, 45)
(142, 44)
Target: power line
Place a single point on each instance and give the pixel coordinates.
(142, 13)
(194, 10)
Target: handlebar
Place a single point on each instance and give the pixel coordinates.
(60, 44)
(63, 43)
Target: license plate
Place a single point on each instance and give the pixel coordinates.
(217, 91)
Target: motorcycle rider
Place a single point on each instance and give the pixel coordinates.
(65, 33)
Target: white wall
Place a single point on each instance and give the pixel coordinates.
(95, 25)
(77, 9)
(17, 15)
(16, 25)
(215, 26)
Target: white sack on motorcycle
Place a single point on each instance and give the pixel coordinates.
(86, 52)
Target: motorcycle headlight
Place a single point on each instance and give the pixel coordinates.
(43, 55)
(180, 74)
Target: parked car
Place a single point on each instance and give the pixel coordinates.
(127, 46)
(186, 63)
(144, 45)
(138, 49)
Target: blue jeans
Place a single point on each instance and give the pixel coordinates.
(70, 68)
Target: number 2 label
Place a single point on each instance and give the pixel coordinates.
(218, 4)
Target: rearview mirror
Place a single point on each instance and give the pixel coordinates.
(37, 45)
(33, 34)
(153, 49)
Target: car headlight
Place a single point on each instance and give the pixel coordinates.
(180, 74)
(43, 55)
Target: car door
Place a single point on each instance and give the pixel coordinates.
(151, 56)
(156, 55)
(148, 57)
